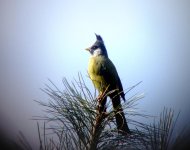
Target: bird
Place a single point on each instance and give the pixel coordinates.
(106, 80)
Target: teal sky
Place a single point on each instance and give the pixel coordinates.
(146, 40)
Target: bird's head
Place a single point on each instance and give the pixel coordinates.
(98, 48)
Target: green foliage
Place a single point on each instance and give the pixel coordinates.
(73, 117)
(78, 123)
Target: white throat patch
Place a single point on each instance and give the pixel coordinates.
(97, 52)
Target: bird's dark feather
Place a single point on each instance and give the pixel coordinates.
(106, 69)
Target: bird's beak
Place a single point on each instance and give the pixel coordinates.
(88, 49)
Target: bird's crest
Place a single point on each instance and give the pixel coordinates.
(99, 38)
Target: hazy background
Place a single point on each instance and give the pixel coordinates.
(147, 40)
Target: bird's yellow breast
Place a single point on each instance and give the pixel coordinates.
(94, 71)
(102, 72)
(94, 66)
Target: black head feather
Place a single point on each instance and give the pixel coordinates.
(100, 44)
(99, 38)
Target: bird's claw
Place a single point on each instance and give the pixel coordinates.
(100, 97)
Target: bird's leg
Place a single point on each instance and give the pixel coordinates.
(103, 94)
(102, 98)
(102, 105)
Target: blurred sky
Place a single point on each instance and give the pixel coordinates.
(147, 40)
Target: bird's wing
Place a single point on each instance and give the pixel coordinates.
(111, 76)
(121, 89)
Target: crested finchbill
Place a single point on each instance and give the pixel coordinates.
(105, 78)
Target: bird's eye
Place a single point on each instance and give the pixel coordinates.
(94, 47)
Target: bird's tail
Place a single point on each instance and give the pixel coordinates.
(122, 125)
